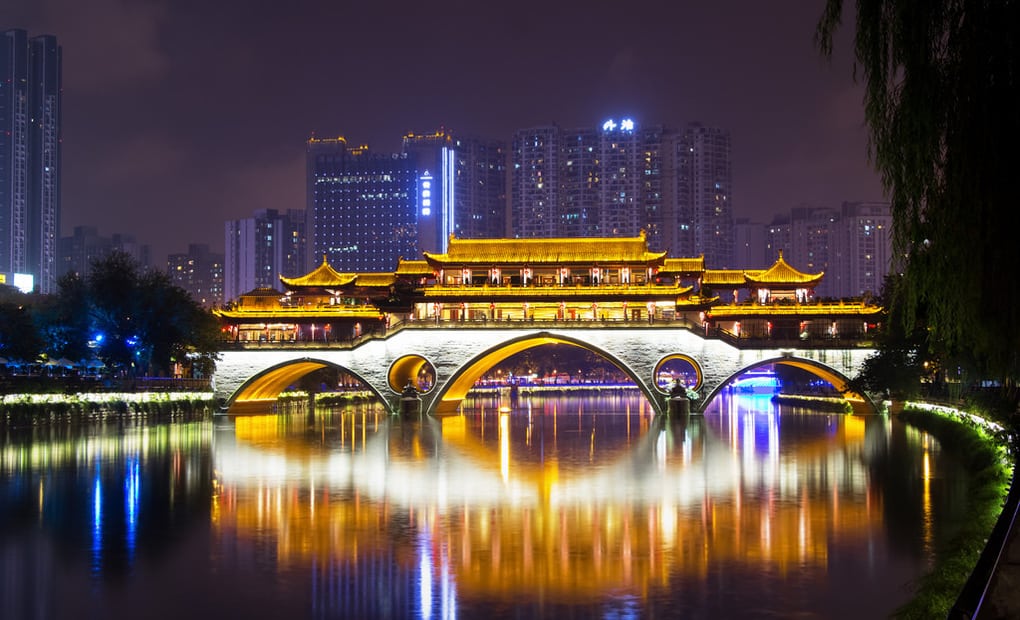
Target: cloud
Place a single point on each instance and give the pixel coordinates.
(105, 42)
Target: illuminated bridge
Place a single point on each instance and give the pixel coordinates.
(460, 354)
(460, 313)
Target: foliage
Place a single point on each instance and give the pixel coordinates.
(941, 102)
(132, 319)
(142, 321)
(18, 338)
(983, 457)
(60, 322)
(898, 366)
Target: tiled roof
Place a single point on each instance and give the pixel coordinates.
(782, 273)
(374, 279)
(323, 276)
(725, 277)
(555, 251)
(683, 265)
(414, 268)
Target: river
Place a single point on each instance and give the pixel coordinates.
(564, 506)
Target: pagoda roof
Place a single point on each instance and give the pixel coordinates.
(550, 251)
(323, 276)
(683, 265)
(725, 277)
(782, 273)
(374, 279)
(413, 268)
(263, 291)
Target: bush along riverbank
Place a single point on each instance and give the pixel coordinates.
(327, 399)
(831, 404)
(983, 452)
(22, 410)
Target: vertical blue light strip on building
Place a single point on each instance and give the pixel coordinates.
(448, 206)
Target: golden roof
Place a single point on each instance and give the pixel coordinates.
(374, 279)
(840, 309)
(725, 277)
(553, 251)
(782, 273)
(414, 268)
(323, 276)
(683, 265)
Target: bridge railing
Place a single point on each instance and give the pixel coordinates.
(716, 333)
(809, 342)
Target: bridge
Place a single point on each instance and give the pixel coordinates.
(250, 376)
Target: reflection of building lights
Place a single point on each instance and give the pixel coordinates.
(504, 446)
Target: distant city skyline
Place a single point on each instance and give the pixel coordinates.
(177, 118)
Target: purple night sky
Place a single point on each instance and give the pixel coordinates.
(181, 114)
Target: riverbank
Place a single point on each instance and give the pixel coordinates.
(834, 404)
(27, 410)
(983, 453)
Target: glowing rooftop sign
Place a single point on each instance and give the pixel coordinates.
(425, 193)
(626, 124)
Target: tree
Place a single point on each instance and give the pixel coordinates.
(18, 338)
(62, 320)
(142, 321)
(941, 102)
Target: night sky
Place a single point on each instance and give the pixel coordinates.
(181, 114)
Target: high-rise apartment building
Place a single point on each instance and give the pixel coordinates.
(30, 137)
(479, 190)
(620, 178)
(862, 248)
(702, 172)
(362, 207)
(535, 191)
(805, 236)
(749, 244)
(577, 197)
(85, 245)
(261, 248)
(852, 245)
(621, 171)
(199, 272)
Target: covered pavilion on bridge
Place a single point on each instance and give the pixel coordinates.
(601, 279)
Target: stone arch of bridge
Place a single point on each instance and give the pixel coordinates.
(265, 386)
(452, 392)
(819, 369)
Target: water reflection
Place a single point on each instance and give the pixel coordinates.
(563, 506)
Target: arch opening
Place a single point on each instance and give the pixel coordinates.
(678, 367)
(463, 380)
(260, 392)
(414, 370)
(766, 381)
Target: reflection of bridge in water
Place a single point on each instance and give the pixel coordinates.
(674, 497)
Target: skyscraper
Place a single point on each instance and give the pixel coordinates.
(433, 156)
(261, 248)
(620, 178)
(578, 192)
(362, 206)
(862, 248)
(30, 136)
(704, 186)
(535, 195)
(479, 193)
